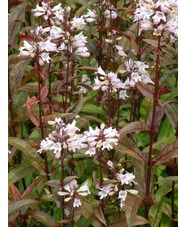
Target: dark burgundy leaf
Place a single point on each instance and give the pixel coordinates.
(44, 93)
(33, 116)
(145, 89)
(26, 37)
(163, 91)
(158, 117)
(31, 101)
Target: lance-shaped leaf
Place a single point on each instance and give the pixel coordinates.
(155, 212)
(20, 171)
(44, 93)
(99, 214)
(87, 212)
(93, 109)
(31, 186)
(30, 153)
(145, 89)
(16, 74)
(171, 178)
(134, 127)
(168, 151)
(88, 68)
(14, 208)
(158, 117)
(170, 114)
(42, 217)
(132, 204)
(128, 146)
(31, 101)
(16, 193)
(33, 116)
(16, 17)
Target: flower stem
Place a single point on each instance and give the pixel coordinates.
(62, 182)
(153, 122)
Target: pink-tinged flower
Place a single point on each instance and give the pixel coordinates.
(82, 51)
(78, 22)
(28, 49)
(63, 136)
(143, 13)
(91, 151)
(102, 138)
(45, 57)
(127, 178)
(163, 4)
(90, 16)
(111, 14)
(158, 17)
(79, 40)
(56, 32)
(106, 190)
(72, 192)
(57, 8)
(39, 11)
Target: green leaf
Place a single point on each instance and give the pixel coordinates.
(30, 153)
(170, 95)
(31, 186)
(14, 208)
(166, 130)
(91, 108)
(168, 151)
(41, 217)
(145, 108)
(77, 107)
(155, 212)
(160, 143)
(171, 178)
(21, 171)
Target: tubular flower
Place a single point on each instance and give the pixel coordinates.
(159, 16)
(63, 136)
(102, 138)
(72, 192)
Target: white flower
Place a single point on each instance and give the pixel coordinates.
(57, 8)
(100, 71)
(127, 178)
(82, 51)
(110, 14)
(163, 4)
(135, 76)
(45, 57)
(79, 40)
(91, 151)
(45, 145)
(39, 11)
(77, 202)
(158, 17)
(73, 192)
(56, 32)
(78, 22)
(104, 191)
(103, 138)
(122, 196)
(67, 212)
(90, 16)
(123, 94)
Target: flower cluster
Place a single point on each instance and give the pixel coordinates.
(121, 179)
(39, 46)
(102, 138)
(159, 16)
(72, 192)
(64, 136)
(110, 81)
(137, 72)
